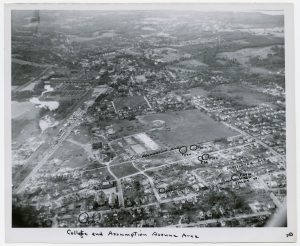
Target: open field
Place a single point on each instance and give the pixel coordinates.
(22, 129)
(23, 73)
(34, 64)
(193, 63)
(135, 145)
(243, 55)
(170, 54)
(29, 87)
(130, 102)
(72, 155)
(146, 141)
(25, 109)
(248, 96)
(96, 36)
(124, 169)
(178, 69)
(82, 135)
(102, 174)
(188, 127)
(158, 160)
(138, 148)
(124, 128)
(197, 91)
(140, 142)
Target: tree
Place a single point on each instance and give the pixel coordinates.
(137, 185)
(24, 217)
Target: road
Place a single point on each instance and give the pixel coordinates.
(147, 102)
(113, 104)
(160, 201)
(190, 157)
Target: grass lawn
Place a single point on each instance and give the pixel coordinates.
(188, 127)
(72, 155)
(124, 169)
(124, 128)
(197, 91)
(82, 136)
(243, 55)
(130, 102)
(249, 96)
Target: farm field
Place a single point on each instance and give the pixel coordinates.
(243, 55)
(123, 169)
(187, 127)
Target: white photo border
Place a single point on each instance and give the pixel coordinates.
(59, 235)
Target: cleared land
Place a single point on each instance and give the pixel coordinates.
(24, 72)
(24, 128)
(123, 169)
(82, 135)
(25, 109)
(34, 64)
(197, 91)
(124, 128)
(247, 95)
(72, 155)
(158, 160)
(79, 39)
(169, 54)
(130, 102)
(146, 141)
(193, 63)
(138, 148)
(139, 143)
(243, 55)
(187, 127)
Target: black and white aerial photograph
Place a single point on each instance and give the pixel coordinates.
(141, 116)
